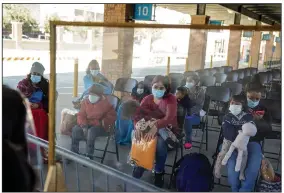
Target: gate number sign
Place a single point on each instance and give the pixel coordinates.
(143, 11)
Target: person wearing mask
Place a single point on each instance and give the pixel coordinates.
(35, 88)
(93, 120)
(197, 96)
(161, 99)
(262, 120)
(17, 173)
(94, 76)
(139, 92)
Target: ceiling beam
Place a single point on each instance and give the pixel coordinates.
(242, 10)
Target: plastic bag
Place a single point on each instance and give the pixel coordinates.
(142, 153)
(267, 172)
(68, 121)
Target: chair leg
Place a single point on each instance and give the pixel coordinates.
(173, 169)
(206, 138)
(201, 142)
(105, 150)
(116, 152)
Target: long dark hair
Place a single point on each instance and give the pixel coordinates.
(166, 82)
(92, 63)
(43, 84)
(254, 85)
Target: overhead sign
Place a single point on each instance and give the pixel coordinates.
(266, 37)
(143, 12)
(247, 34)
(277, 39)
(215, 22)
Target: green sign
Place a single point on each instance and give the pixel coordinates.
(266, 37)
(247, 34)
(277, 39)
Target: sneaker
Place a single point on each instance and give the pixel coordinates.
(171, 143)
(159, 179)
(187, 146)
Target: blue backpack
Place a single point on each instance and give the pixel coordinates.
(193, 173)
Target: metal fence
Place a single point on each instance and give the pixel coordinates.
(87, 175)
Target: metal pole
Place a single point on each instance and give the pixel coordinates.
(168, 65)
(227, 61)
(250, 61)
(187, 64)
(75, 89)
(52, 93)
(211, 61)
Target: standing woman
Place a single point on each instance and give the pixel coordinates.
(35, 88)
(166, 102)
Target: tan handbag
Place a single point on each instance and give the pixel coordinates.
(68, 121)
(267, 172)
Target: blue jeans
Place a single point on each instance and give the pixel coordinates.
(189, 122)
(161, 157)
(251, 172)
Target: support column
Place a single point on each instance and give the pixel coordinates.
(278, 50)
(198, 40)
(234, 44)
(17, 32)
(255, 46)
(117, 43)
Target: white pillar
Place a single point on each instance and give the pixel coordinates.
(17, 32)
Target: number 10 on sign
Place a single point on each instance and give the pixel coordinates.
(143, 12)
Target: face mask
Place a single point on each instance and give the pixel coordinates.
(235, 109)
(158, 93)
(140, 90)
(189, 85)
(252, 104)
(35, 78)
(94, 72)
(94, 98)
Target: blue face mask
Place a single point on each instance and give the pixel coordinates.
(35, 78)
(252, 104)
(94, 72)
(189, 85)
(158, 93)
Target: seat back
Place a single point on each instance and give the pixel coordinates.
(220, 77)
(189, 73)
(235, 88)
(176, 81)
(273, 106)
(220, 69)
(218, 93)
(114, 101)
(227, 69)
(148, 81)
(125, 84)
(263, 76)
(232, 76)
(207, 81)
(202, 72)
(247, 72)
(241, 73)
(276, 74)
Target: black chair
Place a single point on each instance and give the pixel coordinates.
(220, 69)
(207, 81)
(247, 72)
(235, 88)
(148, 81)
(253, 71)
(245, 81)
(189, 73)
(263, 76)
(276, 74)
(176, 81)
(220, 78)
(202, 72)
(114, 101)
(212, 71)
(220, 96)
(269, 76)
(227, 69)
(232, 76)
(125, 84)
(241, 73)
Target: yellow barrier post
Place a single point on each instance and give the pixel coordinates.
(186, 64)
(211, 61)
(75, 89)
(250, 61)
(168, 65)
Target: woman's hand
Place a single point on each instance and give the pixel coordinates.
(138, 135)
(152, 133)
(34, 105)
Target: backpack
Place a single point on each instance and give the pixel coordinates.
(193, 173)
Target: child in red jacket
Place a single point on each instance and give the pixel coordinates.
(95, 116)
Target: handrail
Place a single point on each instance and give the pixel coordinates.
(96, 165)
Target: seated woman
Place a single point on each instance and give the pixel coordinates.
(262, 120)
(35, 88)
(166, 102)
(140, 91)
(93, 76)
(95, 116)
(197, 96)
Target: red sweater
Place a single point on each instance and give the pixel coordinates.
(92, 114)
(167, 105)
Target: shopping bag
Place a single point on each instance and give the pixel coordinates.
(68, 121)
(142, 153)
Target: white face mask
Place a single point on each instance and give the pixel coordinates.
(140, 90)
(235, 109)
(189, 85)
(94, 98)
(94, 72)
